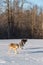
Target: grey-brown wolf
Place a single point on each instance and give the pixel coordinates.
(15, 46)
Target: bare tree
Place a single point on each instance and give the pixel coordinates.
(7, 1)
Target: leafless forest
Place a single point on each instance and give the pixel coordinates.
(16, 22)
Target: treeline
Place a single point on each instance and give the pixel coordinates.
(22, 24)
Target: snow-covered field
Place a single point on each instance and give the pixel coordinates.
(32, 54)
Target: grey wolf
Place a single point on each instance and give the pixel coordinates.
(16, 46)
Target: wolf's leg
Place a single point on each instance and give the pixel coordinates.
(16, 52)
(9, 49)
(21, 47)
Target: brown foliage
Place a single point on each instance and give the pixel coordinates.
(27, 24)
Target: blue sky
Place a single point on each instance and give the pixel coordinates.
(26, 5)
(38, 2)
(34, 2)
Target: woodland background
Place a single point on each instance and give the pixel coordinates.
(17, 22)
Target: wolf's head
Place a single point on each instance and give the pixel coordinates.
(24, 40)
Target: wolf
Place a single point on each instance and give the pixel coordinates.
(16, 46)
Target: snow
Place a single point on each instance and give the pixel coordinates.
(31, 54)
